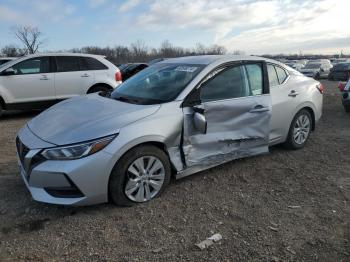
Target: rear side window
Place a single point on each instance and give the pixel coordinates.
(273, 79)
(37, 65)
(255, 78)
(67, 63)
(89, 63)
(281, 73)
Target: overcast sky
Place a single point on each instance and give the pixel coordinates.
(256, 27)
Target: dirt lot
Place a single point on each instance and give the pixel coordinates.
(287, 205)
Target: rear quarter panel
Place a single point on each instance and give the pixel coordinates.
(310, 96)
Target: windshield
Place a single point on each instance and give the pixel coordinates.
(156, 84)
(313, 66)
(123, 66)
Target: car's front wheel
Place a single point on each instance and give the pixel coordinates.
(299, 130)
(139, 176)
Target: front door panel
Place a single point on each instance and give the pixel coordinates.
(236, 128)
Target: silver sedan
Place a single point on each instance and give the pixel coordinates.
(177, 117)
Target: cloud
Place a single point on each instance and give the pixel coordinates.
(253, 26)
(128, 5)
(96, 3)
(9, 15)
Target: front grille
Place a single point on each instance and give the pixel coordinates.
(31, 161)
(22, 149)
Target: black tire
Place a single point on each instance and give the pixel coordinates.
(1, 110)
(317, 76)
(347, 109)
(118, 178)
(96, 89)
(290, 142)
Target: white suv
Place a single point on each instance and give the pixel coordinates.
(40, 80)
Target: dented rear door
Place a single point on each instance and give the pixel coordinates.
(236, 106)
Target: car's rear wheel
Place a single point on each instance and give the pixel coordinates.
(139, 176)
(96, 89)
(299, 130)
(1, 110)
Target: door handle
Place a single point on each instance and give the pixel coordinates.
(259, 109)
(44, 77)
(293, 93)
(85, 75)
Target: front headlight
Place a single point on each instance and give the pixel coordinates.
(78, 150)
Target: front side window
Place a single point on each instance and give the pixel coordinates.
(37, 65)
(67, 63)
(233, 82)
(158, 83)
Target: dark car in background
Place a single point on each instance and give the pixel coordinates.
(128, 70)
(340, 72)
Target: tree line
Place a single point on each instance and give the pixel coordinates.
(31, 40)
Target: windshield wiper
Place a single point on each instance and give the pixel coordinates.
(127, 100)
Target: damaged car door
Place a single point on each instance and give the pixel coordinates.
(231, 117)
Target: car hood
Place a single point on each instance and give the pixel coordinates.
(85, 118)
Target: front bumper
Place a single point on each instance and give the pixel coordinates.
(70, 182)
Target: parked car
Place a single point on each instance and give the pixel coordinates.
(322, 61)
(128, 70)
(4, 60)
(157, 60)
(40, 80)
(344, 88)
(296, 66)
(335, 61)
(340, 72)
(316, 70)
(178, 116)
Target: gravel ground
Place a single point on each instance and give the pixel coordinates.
(283, 206)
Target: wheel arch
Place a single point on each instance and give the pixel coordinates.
(311, 109)
(99, 84)
(156, 141)
(312, 113)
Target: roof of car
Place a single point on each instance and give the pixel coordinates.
(208, 59)
(63, 54)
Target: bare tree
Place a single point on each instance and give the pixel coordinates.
(30, 37)
(12, 51)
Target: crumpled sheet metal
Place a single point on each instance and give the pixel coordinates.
(233, 132)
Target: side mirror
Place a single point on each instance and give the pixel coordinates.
(322, 70)
(200, 123)
(8, 72)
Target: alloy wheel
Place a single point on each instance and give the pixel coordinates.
(301, 129)
(145, 178)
